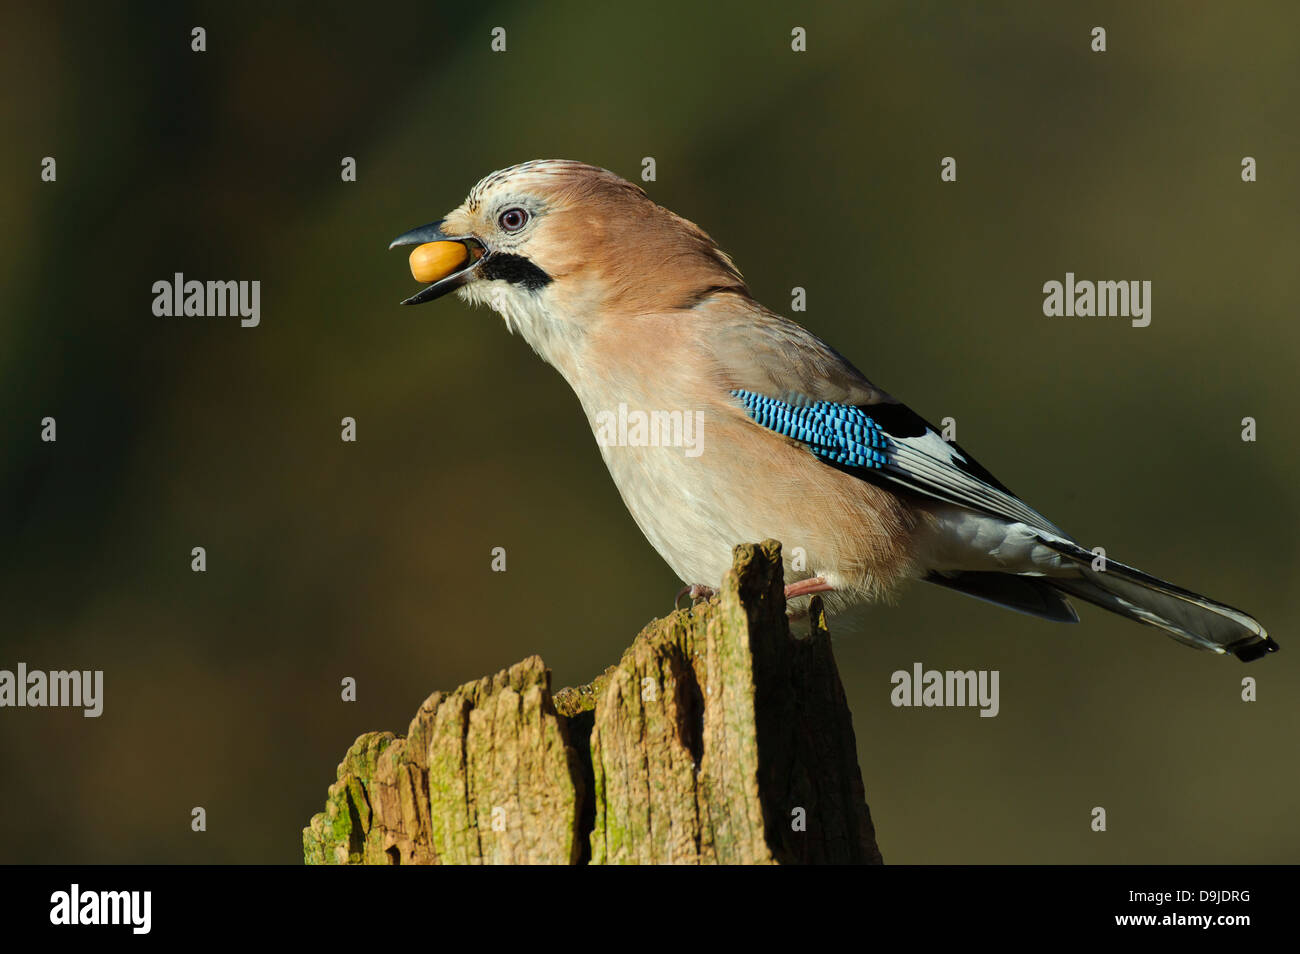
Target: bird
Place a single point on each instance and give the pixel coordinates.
(642, 313)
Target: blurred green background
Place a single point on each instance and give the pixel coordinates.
(819, 169)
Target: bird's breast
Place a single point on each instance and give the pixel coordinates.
(699, 478)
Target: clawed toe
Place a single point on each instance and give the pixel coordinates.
(696, 592)
(815, 584)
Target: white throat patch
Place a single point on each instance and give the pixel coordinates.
(526, 313)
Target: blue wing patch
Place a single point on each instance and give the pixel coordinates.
(900, 449)
(838, 433)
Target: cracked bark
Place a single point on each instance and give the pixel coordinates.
(718, 738)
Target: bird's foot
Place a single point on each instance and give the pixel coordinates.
(696, 591)
(814, 584)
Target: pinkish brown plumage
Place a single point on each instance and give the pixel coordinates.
(722, 422)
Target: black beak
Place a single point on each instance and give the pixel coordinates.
(433, 233)
(418, 236)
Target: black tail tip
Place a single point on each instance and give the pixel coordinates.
(1256, 649)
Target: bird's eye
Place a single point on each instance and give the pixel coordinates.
(512, 220)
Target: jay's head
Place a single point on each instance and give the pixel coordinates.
(556, 242)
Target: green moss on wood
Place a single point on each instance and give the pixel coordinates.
(696, 747)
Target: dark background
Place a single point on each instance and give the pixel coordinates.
(819, 169)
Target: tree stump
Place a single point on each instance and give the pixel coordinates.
(719, 738)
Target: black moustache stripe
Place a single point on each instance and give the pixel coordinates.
(516, 270)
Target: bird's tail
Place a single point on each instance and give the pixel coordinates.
(1188, 617)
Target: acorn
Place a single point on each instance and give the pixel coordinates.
(434, 261)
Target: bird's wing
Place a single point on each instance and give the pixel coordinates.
(763, 352)
(790, 382)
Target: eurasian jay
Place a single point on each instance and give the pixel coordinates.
(638, 308)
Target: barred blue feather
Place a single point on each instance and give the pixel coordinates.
(839, 433)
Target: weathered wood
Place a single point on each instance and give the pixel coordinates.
(718, 738)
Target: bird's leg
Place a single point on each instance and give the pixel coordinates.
(814, 584)
(696, 591)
